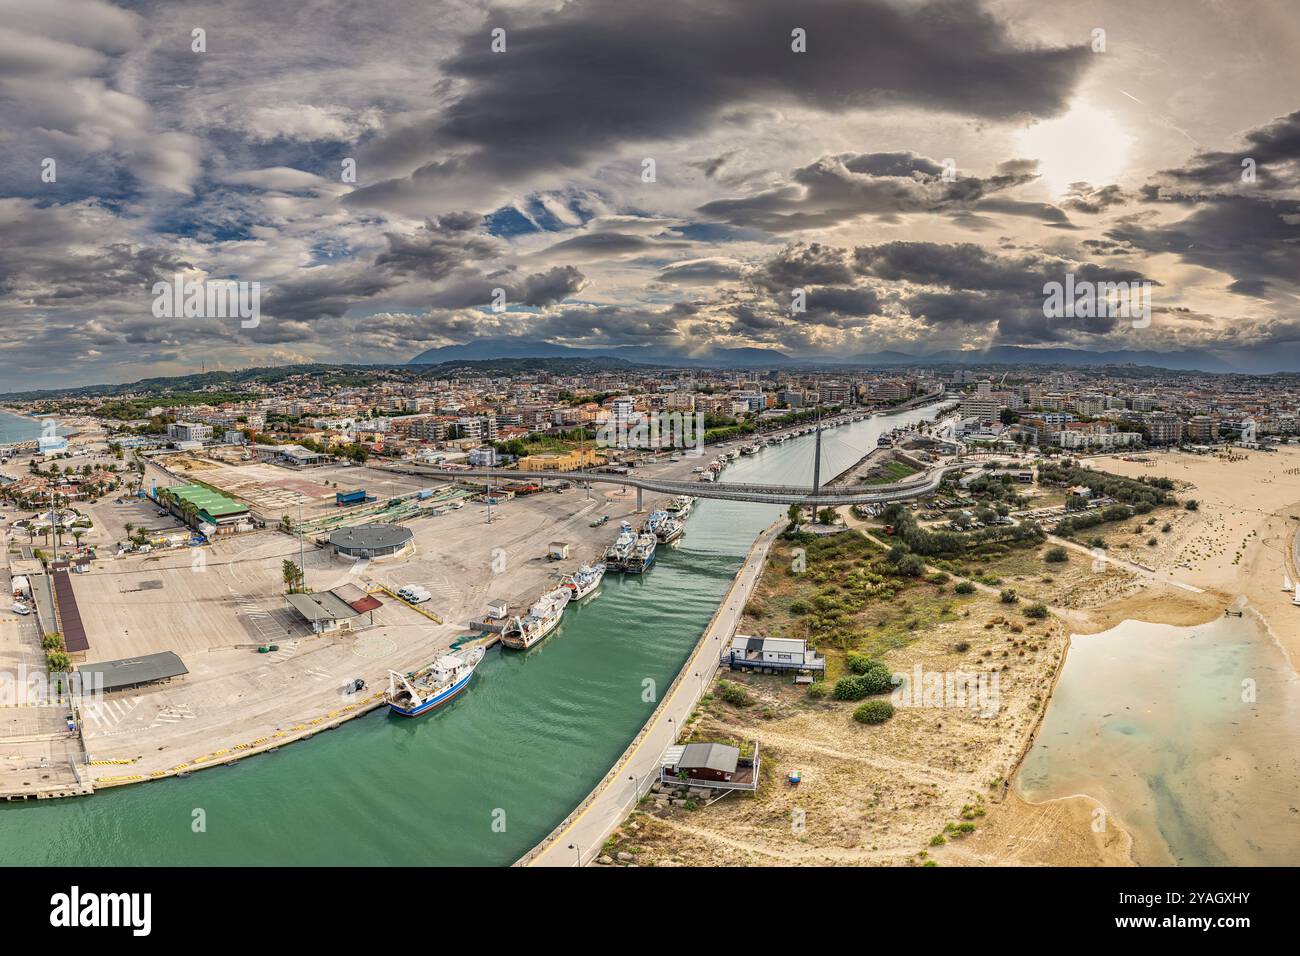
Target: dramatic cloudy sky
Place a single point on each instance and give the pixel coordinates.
(524, 171)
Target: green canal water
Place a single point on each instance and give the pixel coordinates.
(521, 747)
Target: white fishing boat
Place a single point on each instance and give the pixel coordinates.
(1287, 585)
(670, 530)
(416, 693)
(1296, 600)
(542, 618)
(616, 554)
(681, 506)
(585, 580)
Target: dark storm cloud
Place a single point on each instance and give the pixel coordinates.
(554, 285)
(1240, 228)
(1081, 197)
(802, 264)
(1274, 148)
(972, 267)
(837, 189)
(582, 80)
(1255, 240)
(327, 292)
(444, 245)
(611, 324)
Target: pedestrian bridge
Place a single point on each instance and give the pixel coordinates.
(725, 490)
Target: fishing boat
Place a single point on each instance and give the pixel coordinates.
(680, 507)
(670, 530)
(410, 695)
(618, 552)
(643, 554)
(1286, 583)
(652, 523)
(585, 580)
(542, 618)
(1296, 600)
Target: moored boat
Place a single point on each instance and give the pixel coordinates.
(542, 618)
(585, 580)
(416, 693)
(616, 554)
(670, 530)
(643, 554)
(680, 507)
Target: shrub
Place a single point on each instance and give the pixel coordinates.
(1056, 555)
(858, 663)
(1166, 527)
(1192, 504)
(1036, 611)
(798, 607)
(58, 661)
(874, 712)
(52, 642)
(733, 693)
(964, 587)
(1008, 596)
(817, 689)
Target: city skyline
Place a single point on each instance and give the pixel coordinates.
(919, 171)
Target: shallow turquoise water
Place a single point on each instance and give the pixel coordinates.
(1186, 734)
(523, 745)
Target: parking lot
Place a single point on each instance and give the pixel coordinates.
(111, 518)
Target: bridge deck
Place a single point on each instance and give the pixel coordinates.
(728, 491)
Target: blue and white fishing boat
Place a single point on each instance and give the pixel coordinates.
(642, 556)
(410, 695)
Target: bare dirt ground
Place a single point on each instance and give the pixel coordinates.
(914, 790)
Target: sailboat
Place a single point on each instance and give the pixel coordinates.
(1296, 600)
(1286, 582)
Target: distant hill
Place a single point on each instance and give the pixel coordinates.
(1185, 360)
(484, 349)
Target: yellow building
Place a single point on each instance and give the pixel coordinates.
(559, 461)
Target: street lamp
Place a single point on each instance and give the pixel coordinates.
(574, 847)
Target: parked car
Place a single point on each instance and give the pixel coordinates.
(22, 609)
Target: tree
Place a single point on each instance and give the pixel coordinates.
(826, 516)
(794, 513)
(293, 576)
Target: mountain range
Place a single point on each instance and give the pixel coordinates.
(1252, 362)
